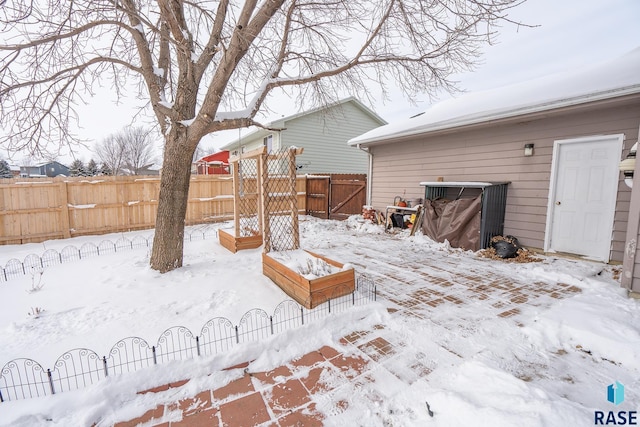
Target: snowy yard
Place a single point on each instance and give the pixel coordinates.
(501, 344)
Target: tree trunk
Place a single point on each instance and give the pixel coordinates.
(168, 240)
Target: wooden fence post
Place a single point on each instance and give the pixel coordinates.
(3, 208)
(65, 224)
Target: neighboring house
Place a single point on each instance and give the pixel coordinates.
(151, 169)
(322, 133)
(213, 164)
(568, 196)
(50, 169)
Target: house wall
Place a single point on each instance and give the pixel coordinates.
(324, 136)
(496, 154)
(54, 169)
(253, 141)
(27, 171)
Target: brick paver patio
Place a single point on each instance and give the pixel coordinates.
(302, 392)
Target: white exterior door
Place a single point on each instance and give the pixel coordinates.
(582, 196)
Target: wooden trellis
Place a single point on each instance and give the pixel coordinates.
(280, 201)
(265, 201)
(247, 202)
(281, 234)
(266, 207)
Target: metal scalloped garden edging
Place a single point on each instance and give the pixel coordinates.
(24, 378)
(50, 257)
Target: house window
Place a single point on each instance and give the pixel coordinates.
(268, 142)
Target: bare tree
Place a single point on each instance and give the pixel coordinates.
(208, 65)
(127, 152)
(138, 149)
(111, 152)
(200, 152)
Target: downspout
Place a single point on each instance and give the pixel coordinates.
(369, 174)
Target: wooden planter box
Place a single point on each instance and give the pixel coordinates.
(235, 244)
(309, 292)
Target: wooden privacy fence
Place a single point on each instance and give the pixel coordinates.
(35, 210)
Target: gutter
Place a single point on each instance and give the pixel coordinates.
(369, 174)
(503, 113)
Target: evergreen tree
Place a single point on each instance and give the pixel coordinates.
(105, 170)
(77, 168)
(92, 168)
(5, 170)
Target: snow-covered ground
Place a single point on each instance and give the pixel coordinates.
(548, 365)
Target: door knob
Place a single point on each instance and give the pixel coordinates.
(558, 203)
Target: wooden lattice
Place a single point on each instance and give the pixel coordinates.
(247, 190)
(265, 201)
(280, 201)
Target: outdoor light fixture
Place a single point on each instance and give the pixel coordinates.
(628, 165)
(528, 150)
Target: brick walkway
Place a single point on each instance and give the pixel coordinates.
(278, 397)
(454, 300)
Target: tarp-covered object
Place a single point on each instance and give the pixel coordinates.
(457, 221)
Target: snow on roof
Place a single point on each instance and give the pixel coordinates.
(280, 122)
(47, 163)
(596, 82)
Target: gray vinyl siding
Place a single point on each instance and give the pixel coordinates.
(495, 153)
(324, 136)
(249, 143)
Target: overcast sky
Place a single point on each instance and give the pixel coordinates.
(570, 34)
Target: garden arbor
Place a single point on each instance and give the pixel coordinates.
(265, 201)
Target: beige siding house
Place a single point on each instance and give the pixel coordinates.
(569, 196)
(322, 133)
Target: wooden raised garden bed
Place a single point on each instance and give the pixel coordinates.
(235, 244)
(309, 292)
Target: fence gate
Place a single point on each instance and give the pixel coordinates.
(318, 196)
(336, 196)
(347, 195)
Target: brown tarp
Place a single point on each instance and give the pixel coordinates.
(457, 221)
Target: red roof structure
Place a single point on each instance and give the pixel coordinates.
(213, 164)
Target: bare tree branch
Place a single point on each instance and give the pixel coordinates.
(127, 152)
(15, 11)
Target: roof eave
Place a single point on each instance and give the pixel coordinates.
(501, 115)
